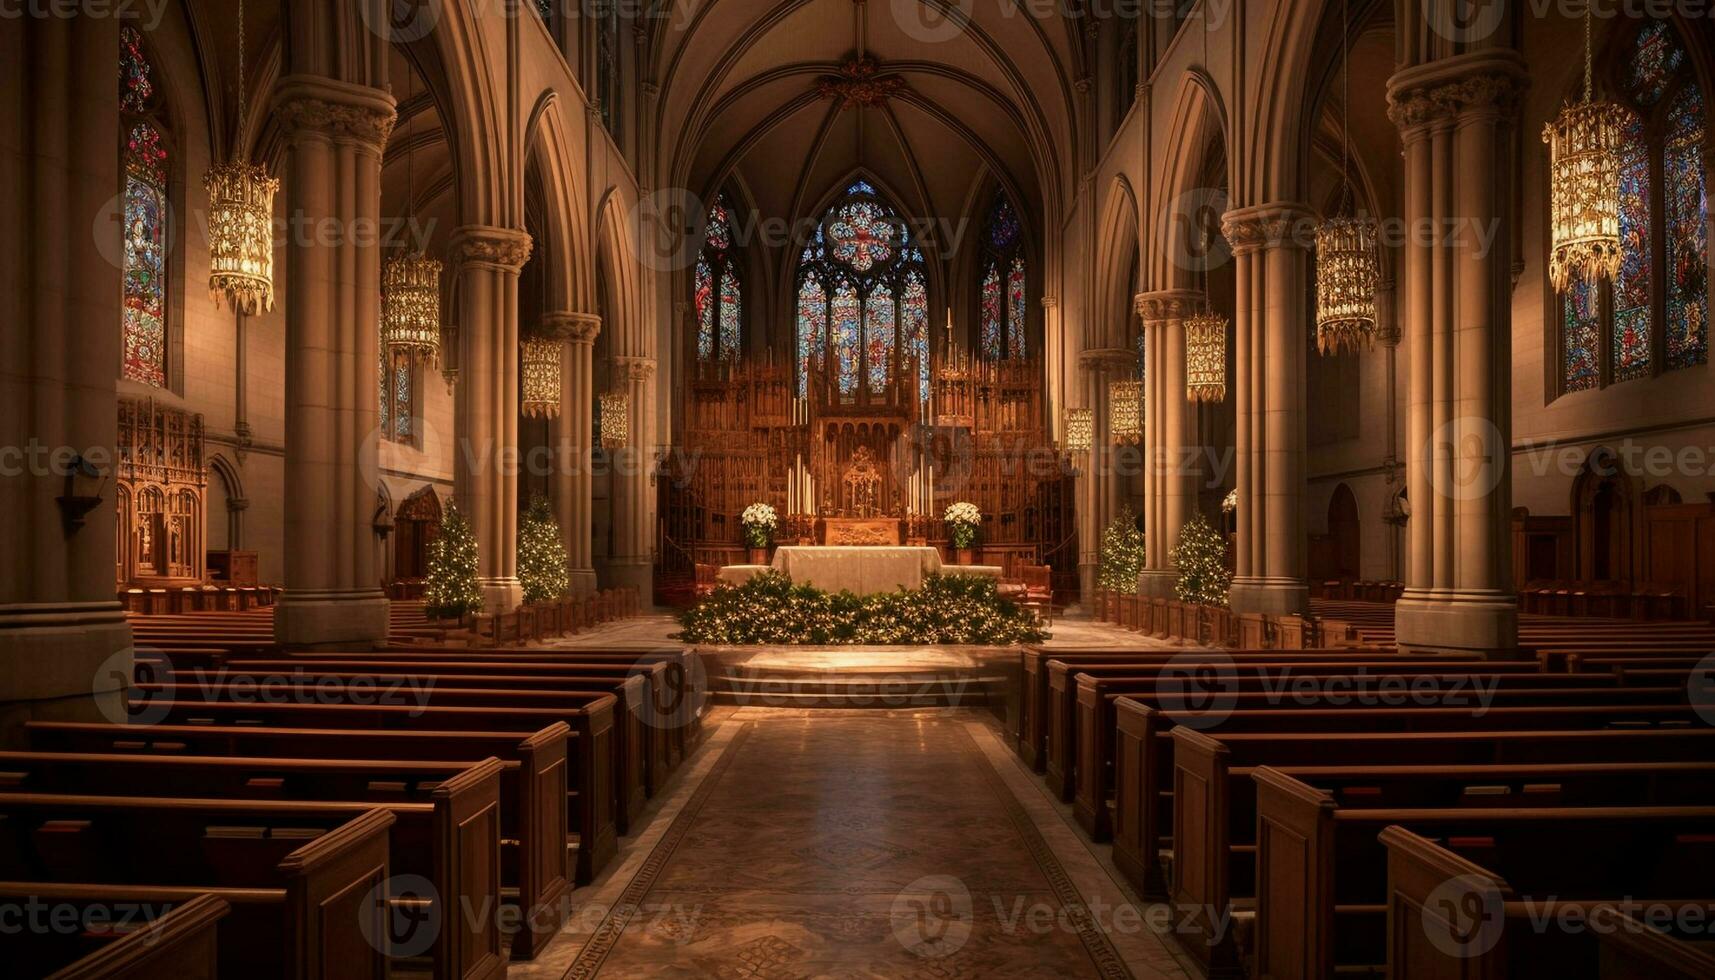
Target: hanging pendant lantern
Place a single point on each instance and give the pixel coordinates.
(1346, 275)
(1125, 411)
(540, 385)
(1205, 357)
(1584, 184)
(241, 222)
(615, 419)
(241, 236)
(1080, 430)
(411, 307)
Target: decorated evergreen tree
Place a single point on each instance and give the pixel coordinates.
(542, 561)
(1201, 557)
(451, 590)
(1122, 554)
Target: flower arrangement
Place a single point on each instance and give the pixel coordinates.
(962, 519)
(770, 609)
(759, 522)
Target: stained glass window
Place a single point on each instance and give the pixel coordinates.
(1003, 308)
(146, 217)
(719, 312)
(914, 314)
(862, 292)
(397, 387)
(1653, 317)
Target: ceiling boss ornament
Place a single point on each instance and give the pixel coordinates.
(861, 82)
(241, 221)
(1584, 182)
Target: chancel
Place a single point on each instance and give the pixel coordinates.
(871, 488)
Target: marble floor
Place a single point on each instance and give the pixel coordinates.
(853, 843)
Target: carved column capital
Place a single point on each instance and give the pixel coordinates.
(634, 368)
(1282, 224)
(1106, 358)
(310, 106)
(505, 249)
(576, 328)
(1424, 97)
(1050, 302)
(1168, 304)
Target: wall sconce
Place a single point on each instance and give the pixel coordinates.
(75, 507)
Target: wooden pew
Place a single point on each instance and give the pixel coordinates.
(299, 918)
(1145, 769)
(1451, 916)
(546, 811)
(634, 740)
(177, 941)
(590, 717)
(1215, 806)
(1322, 893)
(1089, 739)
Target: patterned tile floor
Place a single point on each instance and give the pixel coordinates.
(831, 843)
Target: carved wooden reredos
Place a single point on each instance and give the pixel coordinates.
(980, 435)
(161, 496)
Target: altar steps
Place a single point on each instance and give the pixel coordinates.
(881, 688)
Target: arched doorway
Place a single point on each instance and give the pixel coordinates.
(415, 528)
(1605, 509)
(1344, 535)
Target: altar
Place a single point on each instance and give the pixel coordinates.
(856, 569)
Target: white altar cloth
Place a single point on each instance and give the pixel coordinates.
(862, 570)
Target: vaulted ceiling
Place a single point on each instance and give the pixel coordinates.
(771, 96)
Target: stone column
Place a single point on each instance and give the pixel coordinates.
(633, 561)
(1456, 119)
(1170, 485)
(485, 465)
(334, 133)
(1269, 244)
(1099, 492)
(65, 648)
(571, 434)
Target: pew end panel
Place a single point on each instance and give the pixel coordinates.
(1136, 822)
(544, 873)
(336, 894)
(467, 869)
(1295, 849)
(1432, 888)
(1632, 950)
(181, 945)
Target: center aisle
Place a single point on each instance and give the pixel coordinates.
(850, 844)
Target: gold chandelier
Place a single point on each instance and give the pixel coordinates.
(241, 222)
(1125, 411)
(411, 307)
(1584, 182)
(1205, 357)
(615, 419)
(1080, 430)
(1346, 277)
(540, 384)
(1346, 270)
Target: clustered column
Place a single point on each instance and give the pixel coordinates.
(571, 434)
(632, 563)
(1270, 343)
(486, 462)
(335, 133)
(1456, 119)
(1100, 494)
(1170, 483)
(59, 299)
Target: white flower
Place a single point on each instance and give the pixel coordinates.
(760, 515)
(963, 512)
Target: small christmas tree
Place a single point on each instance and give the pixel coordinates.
(1201, 557)
(451, 590)
(1122, 554)
(541, 554)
